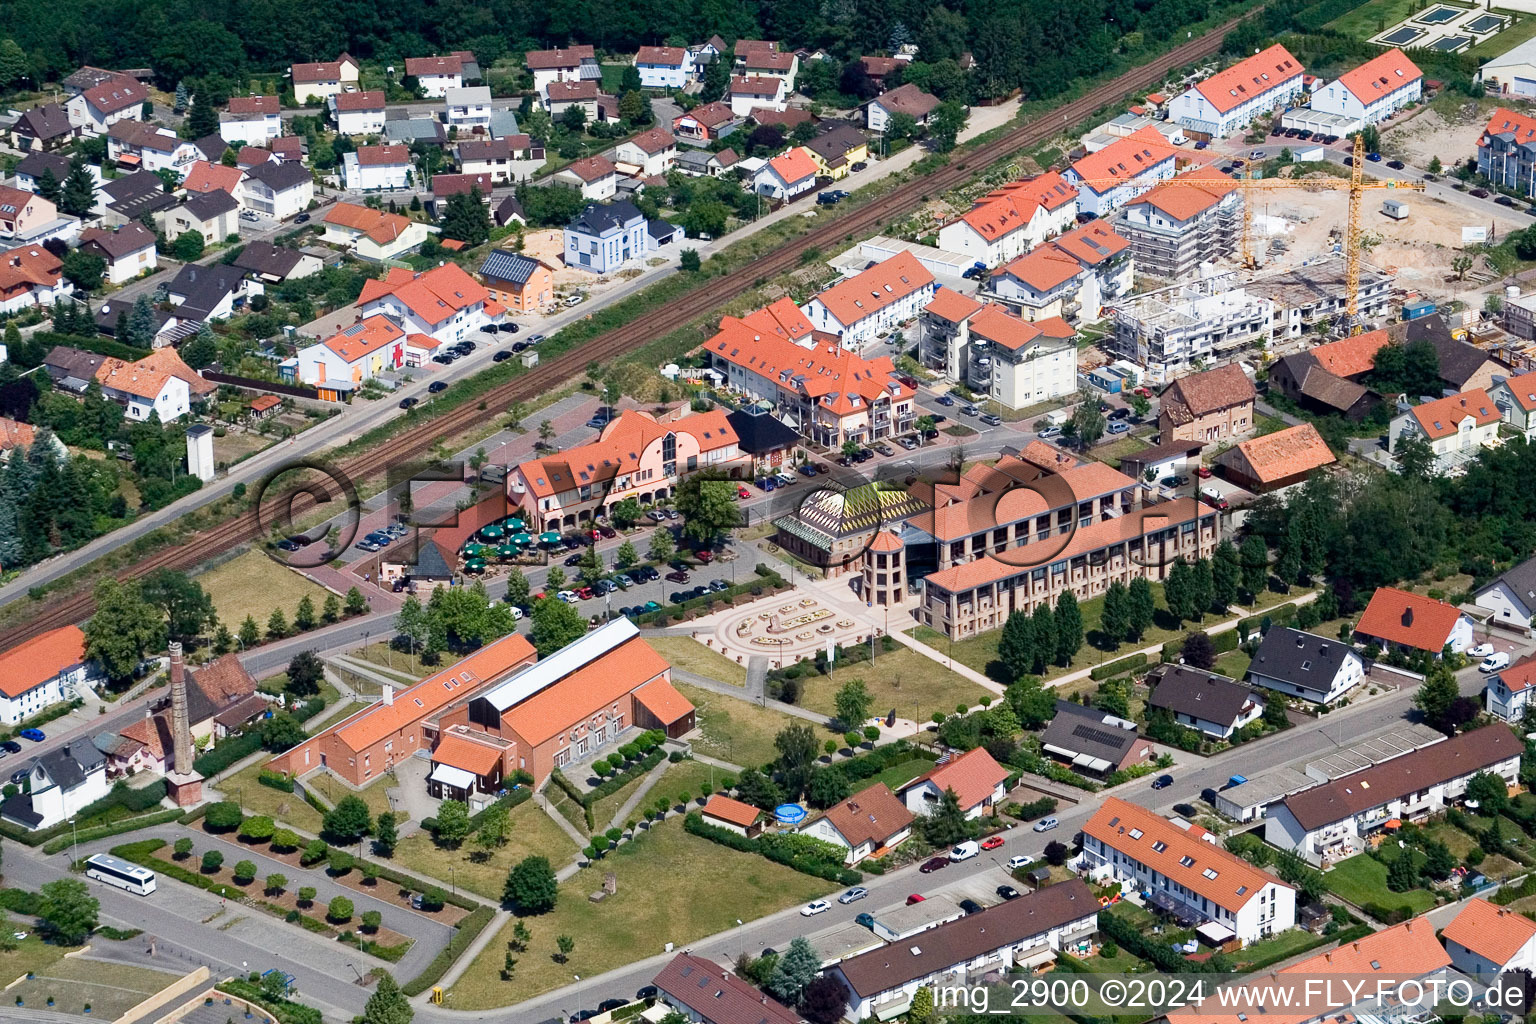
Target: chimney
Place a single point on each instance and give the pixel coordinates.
(181, 726)
(389, 695)
(177, 669)
(1407, 616)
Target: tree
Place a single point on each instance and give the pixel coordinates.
(349, 820)
(1226, 577)
(1461, 263)
(1202, 588)
(202, 119)
(626, 512)
(531, 886)
(277, 625)
(1140, 608)
(554, 579)
(797, 748)
(634, 109)
(339, 910)
(1177, 591)
(68, 911)
(1400, 873)
(183, 848)
(467, 218)
(1033, 705)
(827, 787)
(249, 635)
(797, 966)
(48, 185)
(1254, 559)
(921, 1011)
(452, 823)
(224, 816)
(1043, 629)
(245, 871)
(947, 824)
(1489, 791)
(1198, 650)
(183, 97)
(1415, 458)
(707, 502)
(1088, 423)
(371, 920)
(1115, 615)
(1069, 628)
(1437, 696)
(759, 790)
(123, 629)
(689, 260)
(304, 618)
(385, 834)
(662, 548)
(199, 351)
(305, 672)
(212, 861)
(1435, 165)
(1439, 862)
(555, 624)
(901, 126)
(1274, 711)
(1056, 853)
(78, 194)
(564, 946)
(945, 125)
(281, 732)
(356, 603)
(1140, 406)
(275, 884)
(717, 78)
(189, 246)
(84, 269)
(853, 702)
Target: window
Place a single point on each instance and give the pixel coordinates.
(1159, 846)
(1187, 861)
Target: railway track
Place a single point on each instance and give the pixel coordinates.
(647, 326)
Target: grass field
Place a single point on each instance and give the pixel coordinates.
(1371, 18)
(375, 794)
(396, 662)
(111, 989)
(1119, 449)
(1362, 879)
(686, 778)
(915, 685)
(255, 798)
(30, 954)
(736, 731)
(1283, 946)
(672, 887)
(1522, 29)
(691, 656)
(531, 832)
(900, 774)
(252, 584)
(1233, 664)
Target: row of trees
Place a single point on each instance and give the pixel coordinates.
(1030, 642)
(454, 619)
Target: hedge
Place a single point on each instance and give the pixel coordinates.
(468, 930)
(867, 766)
(513, 798)
(417, 885)
(771, 847)
(1116, 668)
(142, 853)
(1152, 949)
(275, 780)
(623, 778)
(115, 829)
(767, 578)
(1225, 641)
(20, 901)
(285, 1010)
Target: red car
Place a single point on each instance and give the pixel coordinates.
(585, 593)
(992, 842)
(706, 556)
(742, 492)
(915, 898)
(1143, 392)
(1203, 473)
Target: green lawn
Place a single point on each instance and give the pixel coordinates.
(689, 655)
(111, 989)
(900, 774)
(1123, 448)
(912, 683)
(255, 798)
(686, 778)
(672, 887)
(1278, 947)
(375, 794)
(397, 662)
(1522, 29)
(1362, 879)
(253, 584)
(736, 731)
(472, 869)
(1233, 664)
(1371, 18)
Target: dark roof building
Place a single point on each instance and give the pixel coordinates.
(280, 175)
(198, 290)
(761, 434)
(511, 267)
(267, 260)
(1203, 700)
(212, 147)
(208, 205)
(1463, 366)
(72, 368)
(34, 164)
(707, 992)
(1305, 665)
(508, 210)
(597, 218)
(48, 124)
(134, 195)
(1091, 741)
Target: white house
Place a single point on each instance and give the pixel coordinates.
(323, 80)
(436, 75)
(1374, 91)
(129, 250)
(1010, 221)
(214, 215)
(1507, 693)
(569, 65)
(1073, 276)
(251, 120)
(976, 778)
(904, 99)
(373, 234)
(1184, 864)
(1333, 821)
(663, 67)
(992, 351)
(39, 673)
(562, 96)
(143, 390)
(1210, 703)
(1485, 940)
(1456, 427)
(1230, 99)
(377, 168)
(507, 160)
(61, 781)
(135, 145)
(650, 153)
(31, 276)
(878, 299)
(1305, 665)
(872, 819)
(101, 106)
(595, 176)
(1121, 171)
(787, 175)
(1412, 622)
(444, 302)
(747, 94)
(353, 355)
(1515, 396)
(467, 108)
(358, 113)
(279, 189)
(1511, 595)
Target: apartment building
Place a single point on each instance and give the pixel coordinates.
(1506, 153)
(1317, 293)
(1186, 869)
(873, 302)
(1195, 218)
(444, 303)
(1230, 99)
(1121, 171)
(827, 392)
(359, 352)
(1007, 222)
(1456, 427)
(1171, 330)
(1372, 92)
(992, 351)
(1210, 407)
(1073, 277)
(1333, 821)
(40, 672)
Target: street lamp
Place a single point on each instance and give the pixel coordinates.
(74, 840)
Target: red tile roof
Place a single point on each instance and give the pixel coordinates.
(907, 99)
(716, 995)
(261, 105)
(1510, 122)
(823, 370)
(361, 339)
(573, 698)
(1093, 243)
(27, 267)
(449, 65)
(1200, 394)
(763, 86)
(14, 433)
(1287, 452)
(1381, 76)
(666, 56)
(1189, 194)
(951, 305)
(433, 295)
(974, 776)
(209, 177)
(573, 92)
(1522, 391)
(376, 224)
(1014, 205)
(367, 99)
(730, 809)
(1124, 160)
(461, 752)
(870, 291)
(872, 815)
(1496, 933)
(662, 700)
(34, 662)
(383, 156)
(655, 141)
(1350, 357)
(710, 115)
(618, 450)
(1409, 619)
(117, 93)
(168, 360)
(1442, 417)
(548, 60)
(1044, 267)
(1250, 78)
(994, 323)
(794, 165)
(322, 71)
(592, 168)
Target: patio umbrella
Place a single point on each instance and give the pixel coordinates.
(549, 537)
(508, 551)
(475, 565)
(473, 550)
(520, 538)
(514, 525)
(492, 532)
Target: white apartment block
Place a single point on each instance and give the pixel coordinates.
(1230, 99)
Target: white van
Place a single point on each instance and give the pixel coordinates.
(1495, 662)
(965, 851)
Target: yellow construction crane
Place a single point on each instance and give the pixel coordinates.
(1356, 185)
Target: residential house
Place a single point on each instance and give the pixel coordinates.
(732, 815)
(1121, 171)
(664, 67)
(562, 96)
(444, 302)
(128, 251)
(991, 351)
(203, 176)
(825, 390)
(506, 161)
(1463, 366)
(446, 186)
(1192, 219)
(767, 439)
(323, 80)
(792, 173)
(373, 234)
(1185, 867)
(976, 779)
(904, 99)
(377, 168)
(428, 131)
(468, 108)
(43, 128)
(596, 176)
(522, 284)
(1506, 152)
(248, 158)
(879, 68)
(214, 215)
(132, 197)
(1411, 622)
(1019, 934)
(575, 703)
(1485, 940)
(221, 699)
(1268, 463)
(1008, 222)
(278, 189)
(1507, 693)
(15, 435)
(1326, 379)
(46, 670)
(1230, 99)
(1372, 92)
(31, 276)
(1073, 276)
(1213, 406)
(342, 362)
(706, 123)
(868, 824)
(649, 153)
(207, 292)
(701, 163)
(572, 64)
(769, 62)
(1210, 703)
(169, 327)
(635, 456)
(366, 744)
(436, 75)
(706, 993)
(1092, 742)
(275, 264)
(59, 783)
(1456, 428)
(1333, 821)
(1511, 596)
(837, 149)
(872, 302)
(358, 113)
(747, 95)
(1163, 459)
(133, 145)
(1516, 399)
(786, 120)
(143, 388)
(98, 108)
(605, 236)
(36, 164)
(252, 120)
(1304, 665)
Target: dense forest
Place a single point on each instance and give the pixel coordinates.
(1017, 43)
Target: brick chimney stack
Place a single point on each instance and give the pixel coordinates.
(181, 727)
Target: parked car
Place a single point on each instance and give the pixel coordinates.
(568, 596)
(677, 576)
(1049, 432)
(1203, 472)
(718, 586)
(488, 328)
(828, 199)
(647, 992)
(1162, 782)
(991, 842)
(858, 892)
(865, 921)
(302, 218)
(1493, 663)
(1024, 860)
(971, 906)
(611, 1004)
(509, 328)
(287, 544)
(856, 168)
(815, 907)
(991, 419)
(1008, 892)
(1480, 193)
(655, 516)
(1117, 427)
(907, 442)
(883, 448)
(534, 339)
(1480, 651)
(1046, 824)
(368, 545)
(965, 850)
(945, 400)
(1396, 165)
(501, 357)
(1505, 201)
(933, 864)
(970, 410)
(36, 735)
(11, 747)
(573, 561)
(409, 402)
(915, 898)
(649, 573)
(437, 386)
